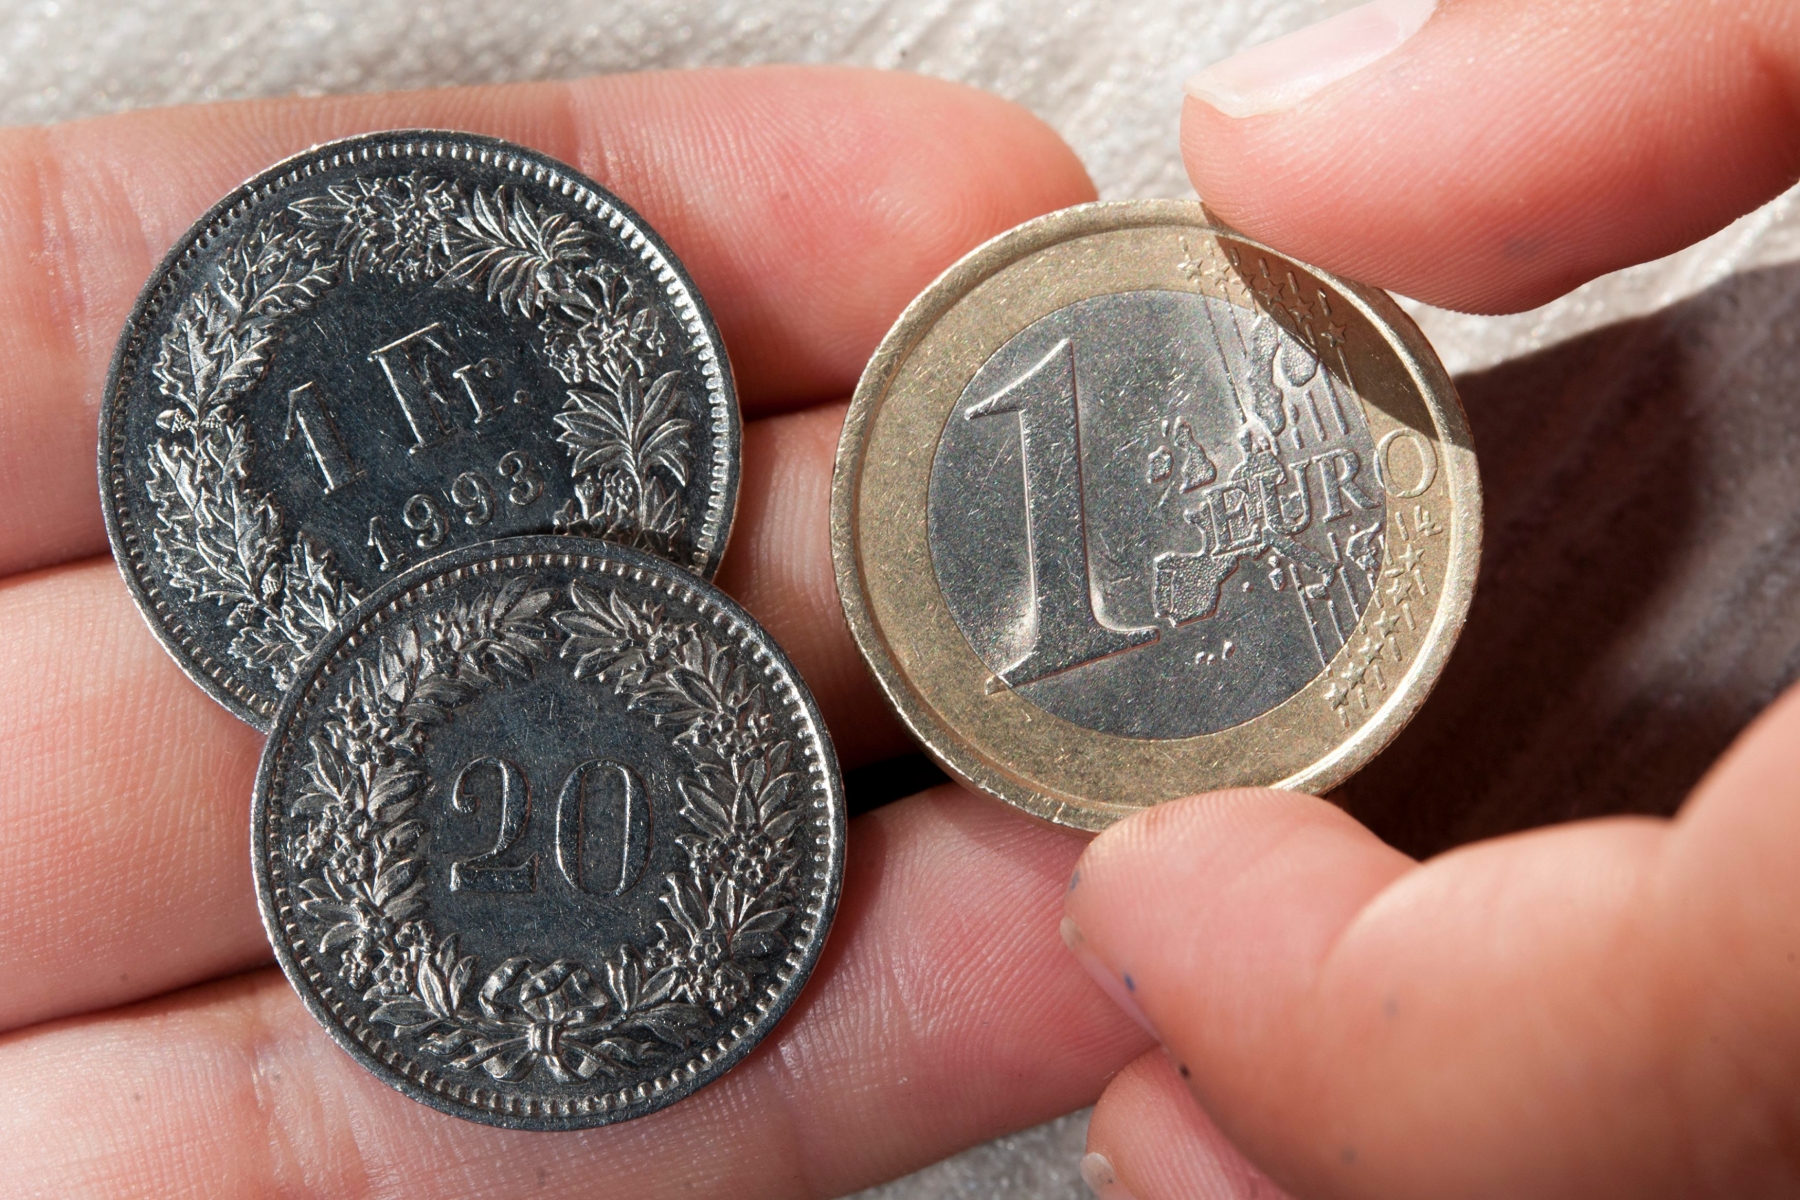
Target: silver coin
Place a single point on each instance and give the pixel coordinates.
(380, 350)
(549, 834)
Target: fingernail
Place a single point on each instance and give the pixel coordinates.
(1117, 989)
(1101, 1179)
(1278, 75)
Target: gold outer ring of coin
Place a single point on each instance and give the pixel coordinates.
(1000, 742)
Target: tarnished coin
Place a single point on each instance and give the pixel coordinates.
(549, 834)
(382, 349)
(1129, 507)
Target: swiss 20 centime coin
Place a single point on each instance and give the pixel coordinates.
(1129, 507)
(548, 833)
(380, 350)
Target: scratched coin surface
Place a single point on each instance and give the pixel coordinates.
(1129, 507)
(380, 350)
(548, 834)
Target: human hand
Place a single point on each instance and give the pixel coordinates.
(1603, 1008)
(153, 1051)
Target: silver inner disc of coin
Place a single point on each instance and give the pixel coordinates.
(1154, 514)
(382, 350)
(548, 838)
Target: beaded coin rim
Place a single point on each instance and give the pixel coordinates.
(217, 678)
(426, 1081)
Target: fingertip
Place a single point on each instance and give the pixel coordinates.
(1102, 1179)
(1188, 833)
(1214, 912)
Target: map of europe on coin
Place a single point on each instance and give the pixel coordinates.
(380, 350)
(548, 834)
(1192, 515)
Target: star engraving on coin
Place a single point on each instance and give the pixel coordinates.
(549, 835)
(384, 348)
(1193, 515)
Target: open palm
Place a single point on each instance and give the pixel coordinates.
(153, 1050)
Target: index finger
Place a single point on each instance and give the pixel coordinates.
(808, 204)
(1491, 154)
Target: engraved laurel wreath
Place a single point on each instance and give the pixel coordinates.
(356, 842)
(223, 542)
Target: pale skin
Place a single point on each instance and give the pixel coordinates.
(1326, 994)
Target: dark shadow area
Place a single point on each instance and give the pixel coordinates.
(1636, 606)
(875, 784)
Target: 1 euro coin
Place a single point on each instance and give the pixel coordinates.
(1130, 507)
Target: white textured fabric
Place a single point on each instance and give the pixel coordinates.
(1106, 75)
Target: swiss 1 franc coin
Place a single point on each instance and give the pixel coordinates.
(1130, 507)
(383, 349)
(548, 833)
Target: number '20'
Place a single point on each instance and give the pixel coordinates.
(600, 784)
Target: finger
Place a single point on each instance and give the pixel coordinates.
(1147, 1117)
(1249, 929)
(809, 206)
(125, 791)
(124, 806)
(1281, 874)
(1596, 1008)
(779, 566)
(1507, 150)
(943, 1012)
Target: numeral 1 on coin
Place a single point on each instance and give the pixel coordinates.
(391, 559)
(307, 417)
(1066, 631)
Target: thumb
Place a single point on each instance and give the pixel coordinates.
(1359, 1025)
(1599, 1008)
